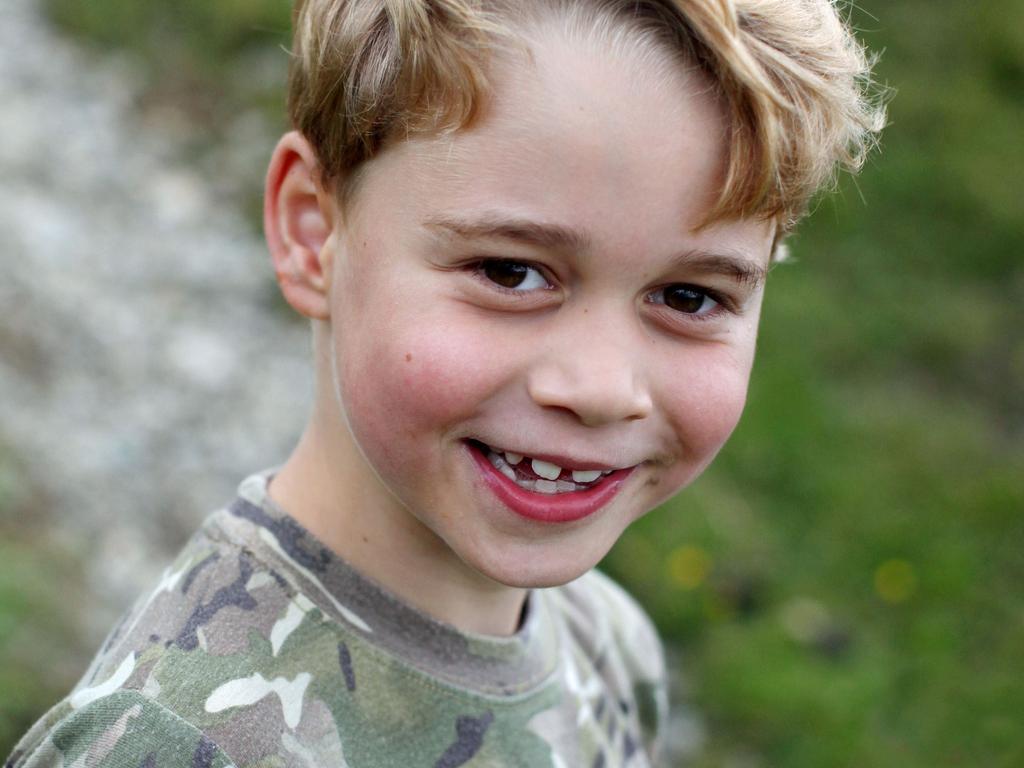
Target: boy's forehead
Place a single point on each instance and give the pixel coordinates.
(574, 144)
(569, 111)
(576, 83)
(785, 135)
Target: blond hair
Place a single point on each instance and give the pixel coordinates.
(795, 81)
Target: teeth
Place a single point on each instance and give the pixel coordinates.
(545, 486)
(549, 484)
(545, 469)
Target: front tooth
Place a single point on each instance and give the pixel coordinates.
(507, 471)
(564, 486)
(545, 469)
(586, 476)
(545, 486)
(513, 458)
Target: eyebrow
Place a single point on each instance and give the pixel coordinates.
(553, 236)
(741, 269)
(738, 267)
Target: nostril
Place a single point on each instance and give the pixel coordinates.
(562, 409)
(601, 395)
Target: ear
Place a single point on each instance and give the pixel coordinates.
(298, 219)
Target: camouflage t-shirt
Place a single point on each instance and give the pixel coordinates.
(260, 647)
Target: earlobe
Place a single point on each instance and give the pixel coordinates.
(298, 220)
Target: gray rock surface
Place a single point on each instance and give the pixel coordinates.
(143, 373)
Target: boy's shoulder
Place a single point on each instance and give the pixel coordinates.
(615, 639)
(256, 642)
(611, 632)
(118, 713)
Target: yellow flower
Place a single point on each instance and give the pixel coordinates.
(895, 581)
(688, 566)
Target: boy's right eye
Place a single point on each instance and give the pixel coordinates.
(512, 275)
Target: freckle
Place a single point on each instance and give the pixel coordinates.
(408, 357)
(365, 540)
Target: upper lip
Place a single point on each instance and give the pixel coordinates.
(565, 462)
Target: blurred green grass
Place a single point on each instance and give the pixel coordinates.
(844, 582)
(40, 587)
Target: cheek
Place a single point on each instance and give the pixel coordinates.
(701, 409)
(411, 385)
(723, 405)
(706, 402)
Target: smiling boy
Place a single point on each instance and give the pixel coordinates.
(532, 239)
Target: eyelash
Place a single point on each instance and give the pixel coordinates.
(477, 268)
(723, 302)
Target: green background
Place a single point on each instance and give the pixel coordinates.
(844, 584)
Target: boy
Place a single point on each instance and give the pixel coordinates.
(532, 238)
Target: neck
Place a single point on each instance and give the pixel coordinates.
(327, 486)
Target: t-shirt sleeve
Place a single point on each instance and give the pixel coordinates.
(122, 730)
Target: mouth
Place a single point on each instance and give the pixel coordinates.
(542, 490)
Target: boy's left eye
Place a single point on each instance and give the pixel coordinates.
(513, 275)
(685, 298)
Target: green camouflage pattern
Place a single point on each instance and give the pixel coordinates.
(260, 648)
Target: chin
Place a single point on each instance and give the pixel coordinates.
(537, 580)
(534, 569)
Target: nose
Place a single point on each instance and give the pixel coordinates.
(594, 373)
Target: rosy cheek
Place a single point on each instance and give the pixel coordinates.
(408, 389)
(706, 405)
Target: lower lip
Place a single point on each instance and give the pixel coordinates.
(549, 508)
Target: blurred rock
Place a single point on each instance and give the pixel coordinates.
(141, 373)
(809, 623)
(804, 619)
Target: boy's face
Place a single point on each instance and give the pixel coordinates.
(533, 285)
